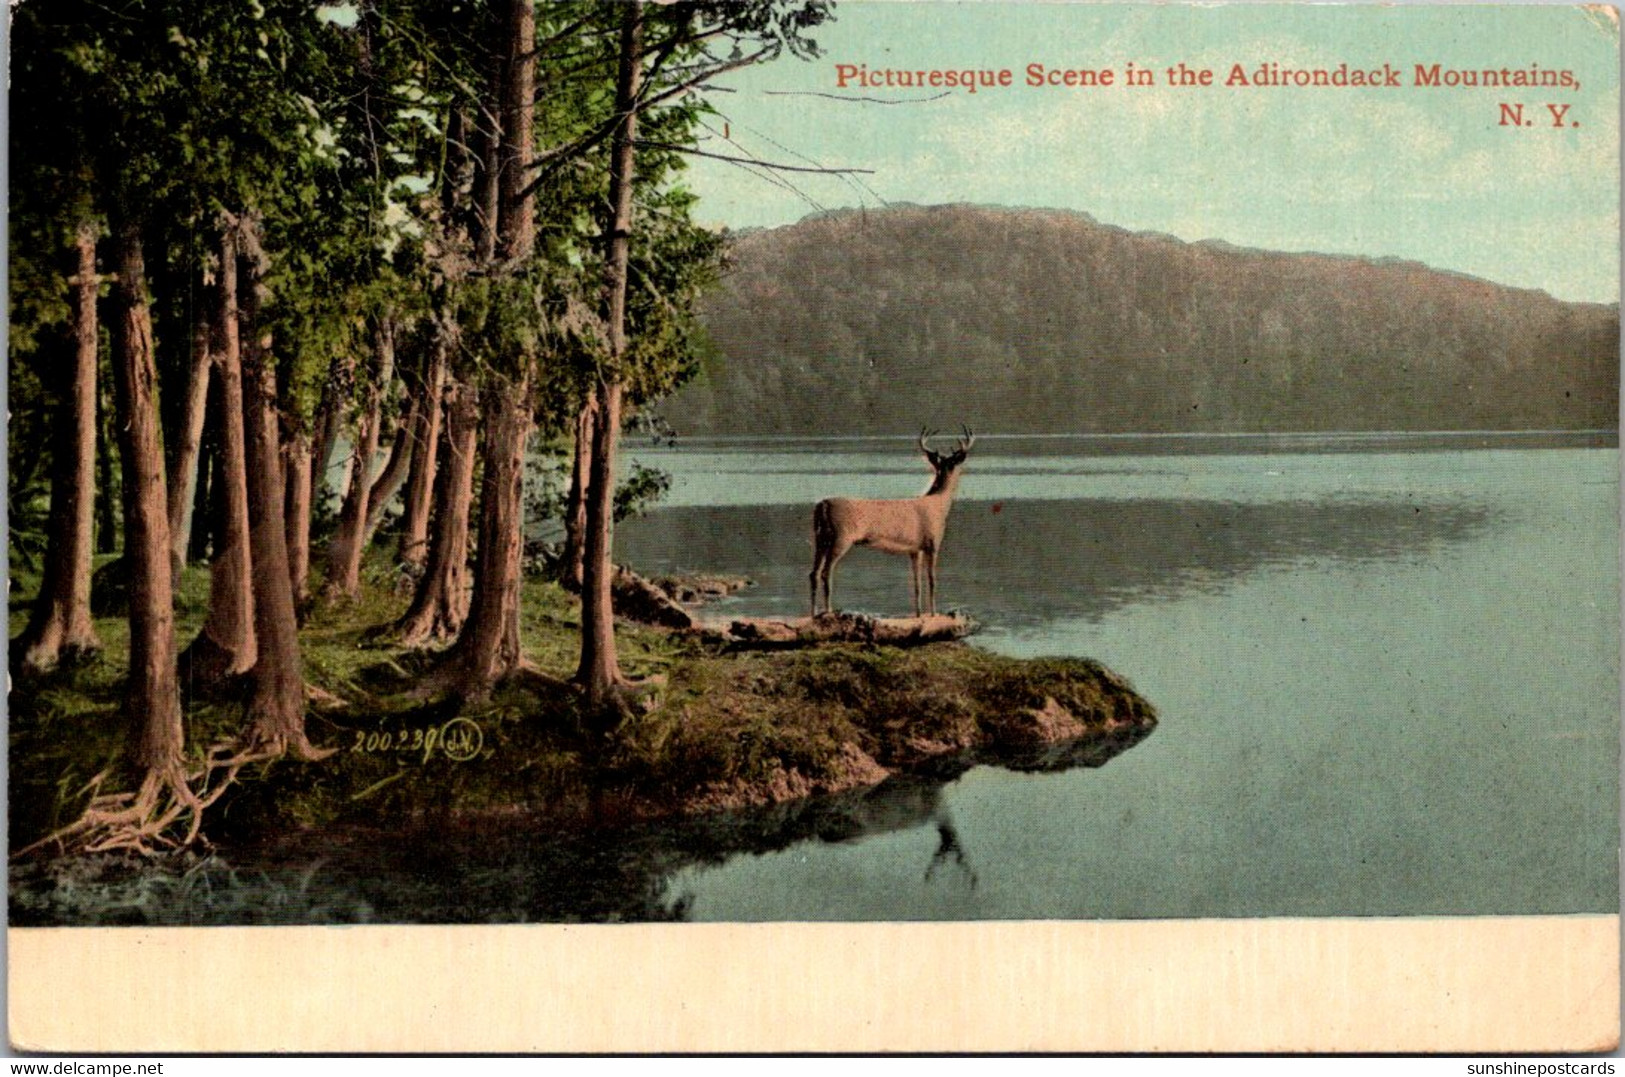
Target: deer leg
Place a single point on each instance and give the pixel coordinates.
(931, 570)
(914, 581)
(813, 577)
(835, 556)
(823, 540)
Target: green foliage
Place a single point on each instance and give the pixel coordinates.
(505, 320)
(28, 517)
(639, 491)
(547, 480)
(333, 130)
(179, 111)
(340, 137)
(29, 430)
(37, 276)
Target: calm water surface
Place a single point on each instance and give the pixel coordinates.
(1386, 668)
(1387, 673)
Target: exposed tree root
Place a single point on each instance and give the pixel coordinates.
(624, 698)
(296, 744)
(467, 683)
(321, 697)
(531, 676)
(426, 628)
(165, 813)
(469, 680)
(51, 655)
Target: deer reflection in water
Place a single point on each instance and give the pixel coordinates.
(949, 849)
(905, 802)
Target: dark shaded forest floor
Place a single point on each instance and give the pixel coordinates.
(711, 730)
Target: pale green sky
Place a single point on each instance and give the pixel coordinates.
(1425, 174)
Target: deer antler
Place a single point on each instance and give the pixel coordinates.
(967, 440)
(920, 441)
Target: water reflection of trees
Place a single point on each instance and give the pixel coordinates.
(504, 874)
(506, 871)
(1021, 562)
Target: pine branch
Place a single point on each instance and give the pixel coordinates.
(549, 161)
(753, 161)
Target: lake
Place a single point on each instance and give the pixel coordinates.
(1386, 669)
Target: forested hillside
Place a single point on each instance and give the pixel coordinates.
(1026, 320)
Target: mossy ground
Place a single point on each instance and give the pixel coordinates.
(716, 730)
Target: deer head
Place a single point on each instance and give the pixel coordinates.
(945, 464)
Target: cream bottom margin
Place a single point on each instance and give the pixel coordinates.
(1470, 985)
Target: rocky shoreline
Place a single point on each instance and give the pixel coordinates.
(726, 714)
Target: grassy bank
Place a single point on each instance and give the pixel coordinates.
(713, 730)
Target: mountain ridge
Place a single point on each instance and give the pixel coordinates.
(1050, 321)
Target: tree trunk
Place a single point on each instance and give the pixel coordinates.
(575, 506)
(425, 449)
(600, 672)
(225, 645)
(107, 537)
(152, 696)
(197, 543)
(440, 605)
(329, 418)
(487, 184)
(60, 627)
(296, 512)
(457, 186)
(183, 478)
(487, 650)
(393, 477)
(518, 111)
(276, 704)
(344, 553)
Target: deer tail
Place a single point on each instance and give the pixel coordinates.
(823, 526)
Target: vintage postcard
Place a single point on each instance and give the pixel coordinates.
(808, 526)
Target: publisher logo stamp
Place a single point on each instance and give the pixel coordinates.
(461, 739)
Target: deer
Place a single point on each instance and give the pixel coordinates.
(911, 526)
